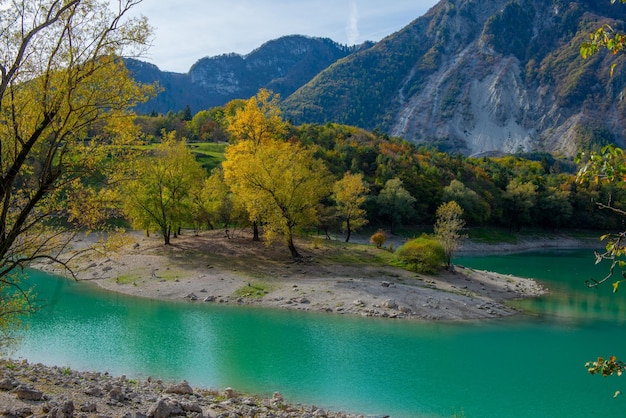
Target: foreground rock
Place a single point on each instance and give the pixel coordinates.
(41, 391)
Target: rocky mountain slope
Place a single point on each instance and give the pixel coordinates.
(281, 65)
(480, 77)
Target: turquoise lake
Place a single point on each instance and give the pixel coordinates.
(527, 366)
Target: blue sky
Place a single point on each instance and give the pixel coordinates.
(187, 30)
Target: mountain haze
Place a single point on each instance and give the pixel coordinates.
(480, 77)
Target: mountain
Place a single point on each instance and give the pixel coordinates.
(282, 65)
(480, 77)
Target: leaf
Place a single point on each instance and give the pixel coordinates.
(615, 286)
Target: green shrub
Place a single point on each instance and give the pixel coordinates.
(422, 255)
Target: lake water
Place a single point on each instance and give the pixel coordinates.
(527, 366)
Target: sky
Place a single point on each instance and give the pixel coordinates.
(187, 30)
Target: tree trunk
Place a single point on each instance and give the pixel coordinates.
(292, 247)
(348, 231)
(255, 231)
(166, 235)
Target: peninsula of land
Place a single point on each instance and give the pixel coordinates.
(331, 276)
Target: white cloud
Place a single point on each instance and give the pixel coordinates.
(352, 31)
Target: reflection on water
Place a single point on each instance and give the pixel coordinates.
(564, 272)
(519, 367)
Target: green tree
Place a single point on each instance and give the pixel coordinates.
(186, 114)
(61, 80)
(519, 198)
(553, 208)
(349, 193)
(207, 125)
(395, 201)
(448, 229)
(475, 208)
(279, 182)
(161, 192)
(214, 203)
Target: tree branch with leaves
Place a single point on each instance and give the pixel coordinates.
(62, 79)
(605, 37)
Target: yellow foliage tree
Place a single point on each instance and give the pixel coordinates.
(279, 182)
(258, 120)
(448, 227)
(61, 80)
(349, 193)
(161, 193)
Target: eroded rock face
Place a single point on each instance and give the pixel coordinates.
(479, 78)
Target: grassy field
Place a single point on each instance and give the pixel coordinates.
(209, 154)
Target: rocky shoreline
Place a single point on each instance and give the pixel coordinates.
(36, 390)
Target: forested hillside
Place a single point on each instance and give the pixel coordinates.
(282, 65)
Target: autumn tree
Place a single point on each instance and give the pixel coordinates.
(256, 120)
(61, 80)
(448, 228)
(395, 201)
(349, 194)
(279, 182)
(161, 192)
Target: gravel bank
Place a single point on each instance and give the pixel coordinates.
(35, 390)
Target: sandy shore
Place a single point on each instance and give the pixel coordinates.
(212, 268)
